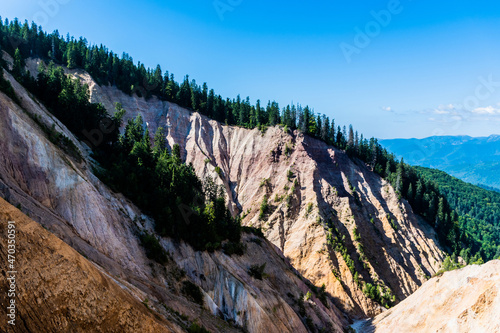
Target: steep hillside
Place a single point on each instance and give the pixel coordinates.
(474, 160)
(59, 191)
(466, 300)
(54, 281)
(478, 210)
(315, 193)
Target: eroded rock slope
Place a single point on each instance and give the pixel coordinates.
(316, 194)
(61, 193)
(465, 300)
(58, 290)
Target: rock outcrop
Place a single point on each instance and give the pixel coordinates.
(311, 188)
(60, 192)
(465, 300)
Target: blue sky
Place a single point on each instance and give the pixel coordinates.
(423, 68)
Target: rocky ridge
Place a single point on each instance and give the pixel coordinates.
(311, 189)
(61, 193)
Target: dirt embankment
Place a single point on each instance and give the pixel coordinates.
(465, 300)
(58, 290)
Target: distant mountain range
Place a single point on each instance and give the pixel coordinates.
(474, 160)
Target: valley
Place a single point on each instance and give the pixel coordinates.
(146, 210)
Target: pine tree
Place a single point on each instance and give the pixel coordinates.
(317, 132)
(388, 170)
(71, 55)
(399, 178)
(410, 193)
(204, 99)
(258, 113)
(340, 139)
(325, 129)
(356, 142)
(184, 93)
(209, 110)
(287, 116)
(350, 141)
(18, 65)
(332, 133)
(293, 114)
(160, 141)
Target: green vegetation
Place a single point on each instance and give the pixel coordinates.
(355, 194)
(160, 184)
(69, 102)
(252, 230)
(302, 308)
(355, 232)
(231, 248)
(288, 200)
(337, 244)
(192, 291)
(309, 208)
(427, 201)
(265, 182)
(257, 271)
(58, 138)
(154, 251)
(218, 171)
(383, 297)
(322, 295)
(379, 293)
(478, 212)
(195, 328)
(154, 178)
(5, 85)
(391, 221)
(450, 264)
(264, 207)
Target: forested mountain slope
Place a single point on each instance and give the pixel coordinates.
(68, 102)
(478, 210)
(474, 160)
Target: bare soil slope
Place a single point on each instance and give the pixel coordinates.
(465, 300)
(58, 290)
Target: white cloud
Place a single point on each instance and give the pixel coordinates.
(488, 110)
(437, 111)
(387, 108)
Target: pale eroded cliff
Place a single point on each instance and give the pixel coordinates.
(331, 190)
(62, 194)
(465, 300)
